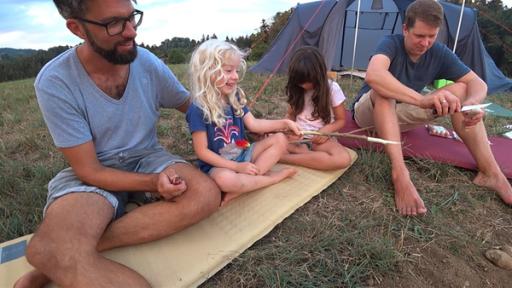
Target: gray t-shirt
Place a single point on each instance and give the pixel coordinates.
(77, 111)
(437, 63)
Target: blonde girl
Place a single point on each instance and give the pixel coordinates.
(218, 117)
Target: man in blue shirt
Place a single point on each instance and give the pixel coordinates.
(100, 101)
(391, 100)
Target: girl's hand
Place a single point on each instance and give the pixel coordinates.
(292, 125)
(170, 184)
(319, 139)
(247, 168)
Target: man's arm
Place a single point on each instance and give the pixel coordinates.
(82, 159)
(385, 84)
(476, 88)
(476, 91)
(184, 107)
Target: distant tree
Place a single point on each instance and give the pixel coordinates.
(495, 24)
(14, 68)
(260, 41)
(177, 56)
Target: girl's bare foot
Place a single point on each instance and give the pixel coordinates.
(277, 176)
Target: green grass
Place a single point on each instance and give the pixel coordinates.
(348, 236)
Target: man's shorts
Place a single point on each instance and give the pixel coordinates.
(142, 161)
(409, 116)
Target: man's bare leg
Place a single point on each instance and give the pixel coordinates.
(476, 140)
(160, 219)
(202, 196)
(64, 247)
(407, 200)
(489, 174)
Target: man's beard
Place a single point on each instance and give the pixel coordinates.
(112, 55)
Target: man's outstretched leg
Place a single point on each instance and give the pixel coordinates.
(64, 246)
(407, 200)
(475, 138)
(143, 224)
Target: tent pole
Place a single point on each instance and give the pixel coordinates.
(458, 26)
(355, 42)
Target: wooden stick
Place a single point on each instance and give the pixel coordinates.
(348, 135)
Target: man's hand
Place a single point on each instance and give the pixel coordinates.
(443, 101)
(247, 168)
(472, 117)
(170, 184)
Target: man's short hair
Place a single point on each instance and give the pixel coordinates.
(73, 8)
(428, 11)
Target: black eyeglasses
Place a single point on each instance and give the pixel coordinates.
(117, 25)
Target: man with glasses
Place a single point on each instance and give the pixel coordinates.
(100, 102)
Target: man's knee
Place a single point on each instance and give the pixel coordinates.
(380, 102)
(44, 252)
(459, 89)
(37, 252)
(206, 198)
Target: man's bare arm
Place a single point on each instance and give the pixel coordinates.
(385, 84)
(85, 164)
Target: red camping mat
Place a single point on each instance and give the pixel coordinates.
(418, 143)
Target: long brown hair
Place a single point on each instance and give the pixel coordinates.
(308, 65)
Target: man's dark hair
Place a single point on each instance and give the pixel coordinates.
(73, 8)
(428, 11)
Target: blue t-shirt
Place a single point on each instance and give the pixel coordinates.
(221, 140)
(438, 62)
(77, 111)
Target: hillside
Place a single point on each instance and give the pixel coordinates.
(13, 53)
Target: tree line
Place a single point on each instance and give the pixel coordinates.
(495, 24)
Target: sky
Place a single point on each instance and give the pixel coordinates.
(36, 24)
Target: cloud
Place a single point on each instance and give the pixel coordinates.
(222, 17)
(37, 23)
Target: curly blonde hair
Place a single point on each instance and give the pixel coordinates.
(206, 70)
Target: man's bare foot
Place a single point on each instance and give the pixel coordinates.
(32, 279)
(498, 183)
(407, 200)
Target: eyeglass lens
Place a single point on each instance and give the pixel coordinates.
(118, 26)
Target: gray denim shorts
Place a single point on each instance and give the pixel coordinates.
(244, 156)
(143, 161)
